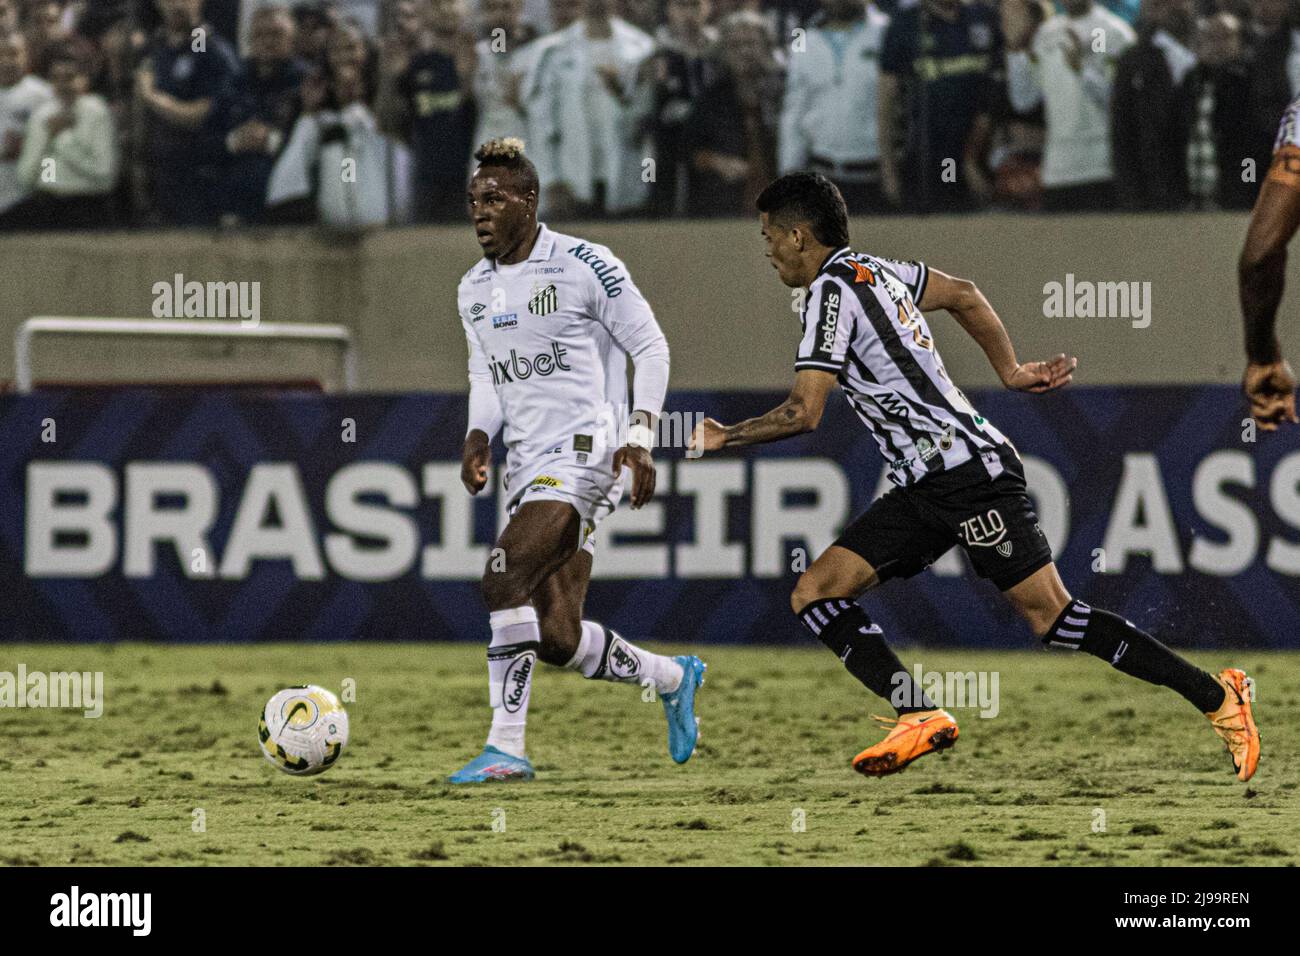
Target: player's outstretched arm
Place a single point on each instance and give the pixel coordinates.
(1269, 382)
(801, 412)
(966, 303)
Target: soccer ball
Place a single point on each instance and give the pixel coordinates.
(303, 730)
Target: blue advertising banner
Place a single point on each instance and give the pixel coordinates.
(222, 515)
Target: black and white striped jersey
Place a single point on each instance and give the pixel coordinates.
(861, 321)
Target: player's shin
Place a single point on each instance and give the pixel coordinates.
(512, 658)
(1131, 650)
(844, 627)
(603, 654)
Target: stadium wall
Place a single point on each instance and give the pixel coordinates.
(729, 321)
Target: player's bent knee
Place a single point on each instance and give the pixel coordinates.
(807, 590)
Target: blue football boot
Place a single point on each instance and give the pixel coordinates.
(679, 708)
(493, 764)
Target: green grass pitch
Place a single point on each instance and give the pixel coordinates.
(1082, 766)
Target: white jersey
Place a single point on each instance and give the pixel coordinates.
(551, 336)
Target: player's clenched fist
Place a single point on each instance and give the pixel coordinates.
(474, 461)
(638, 459)
(1271, 390)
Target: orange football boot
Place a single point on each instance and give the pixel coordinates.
(911, 736)
(1234, 723)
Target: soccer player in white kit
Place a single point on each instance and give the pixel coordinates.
(551, 321)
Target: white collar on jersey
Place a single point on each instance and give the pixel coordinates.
(842, 250)
(543, 246)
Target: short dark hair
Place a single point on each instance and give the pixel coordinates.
(810, 198)
(508, 153)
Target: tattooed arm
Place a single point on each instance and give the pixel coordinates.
(799, 413)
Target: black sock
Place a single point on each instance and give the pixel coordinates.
(1108, 636)
(844, 627)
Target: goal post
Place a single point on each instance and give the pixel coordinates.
(338, 337)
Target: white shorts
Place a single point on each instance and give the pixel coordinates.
(593, 491)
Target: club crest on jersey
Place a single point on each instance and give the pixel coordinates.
(861, 273)
(544, 301)
(985, 531)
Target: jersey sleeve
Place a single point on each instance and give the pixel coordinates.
(828, 322)
(914, 275)
(1285, 167)
(484, 407)
(622, 309)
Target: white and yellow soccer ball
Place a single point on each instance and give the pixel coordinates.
(303, 730)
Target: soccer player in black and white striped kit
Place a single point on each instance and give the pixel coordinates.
(958, 480)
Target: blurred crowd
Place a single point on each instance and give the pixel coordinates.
(362, 112)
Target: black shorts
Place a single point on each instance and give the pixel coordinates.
(908, 529)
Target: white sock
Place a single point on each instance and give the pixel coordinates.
(604, 654)
(512, 658)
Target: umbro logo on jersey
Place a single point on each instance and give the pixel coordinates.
(544, 301)
(477, 310)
